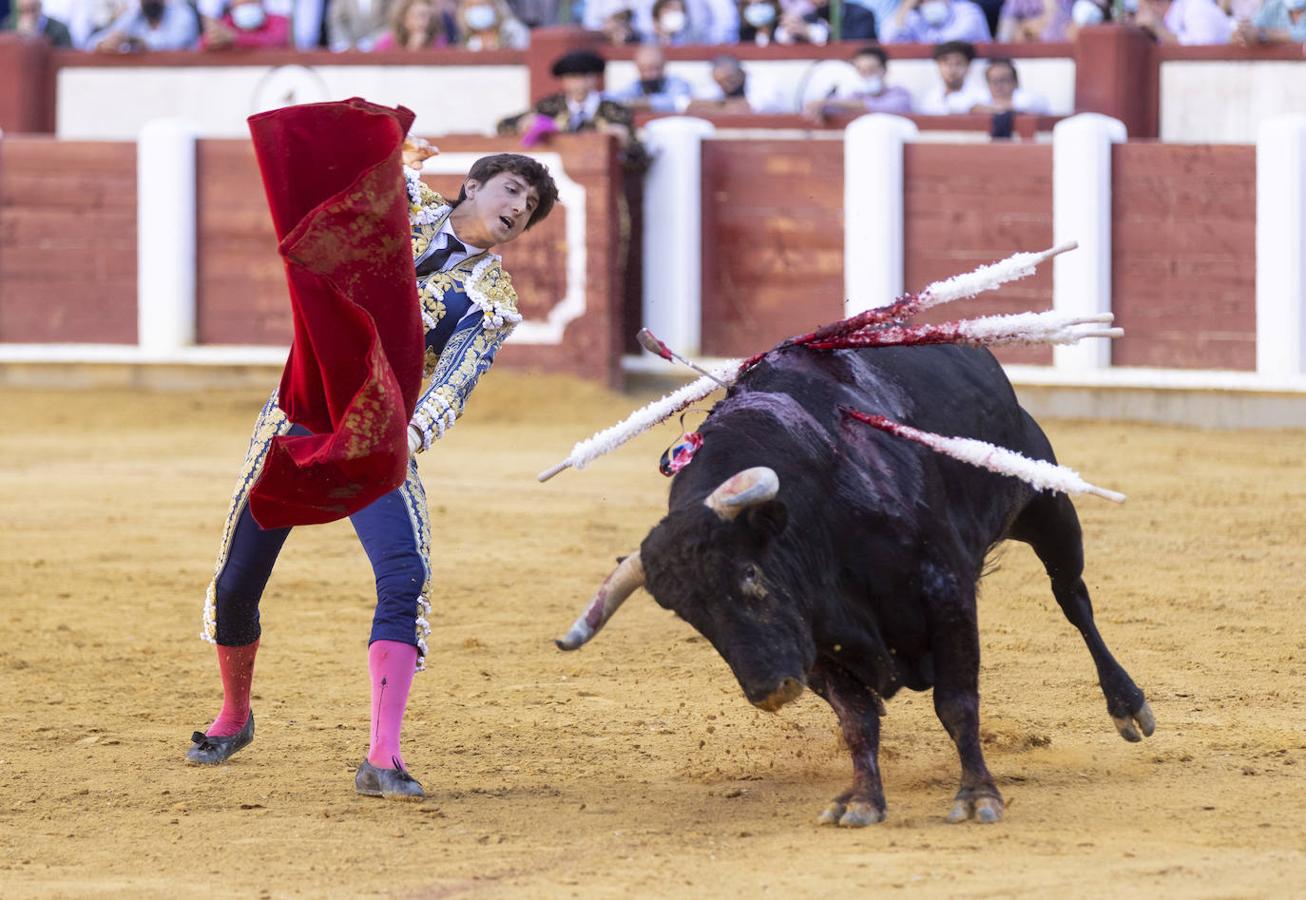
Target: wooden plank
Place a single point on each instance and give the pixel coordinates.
(966, 205)
(772, 242)
(1184, 255)
(67, 241)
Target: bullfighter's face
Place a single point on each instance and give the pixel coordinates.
(496, 211)
(722, 577)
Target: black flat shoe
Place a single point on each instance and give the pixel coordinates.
(212, 751)
(392, 784)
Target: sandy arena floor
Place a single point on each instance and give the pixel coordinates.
(634, 766)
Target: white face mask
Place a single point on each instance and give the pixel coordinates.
(1086, 12)
(759, 15)
(479, 18)
(672, 21)
(248, 16)
(872, 84)
(935, 12)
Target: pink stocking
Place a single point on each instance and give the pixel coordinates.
(392, 665)
(237, 667)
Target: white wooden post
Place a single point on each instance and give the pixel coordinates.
(1081, 211)
(1280, 242)
(873, 210)
(673, 225)
(165, 238)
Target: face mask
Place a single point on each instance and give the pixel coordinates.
(872, 84)
(672, 21)
(934, 12)
(479, 18)
(1086, 12)
(652, 85)
(1129, 6)
(248, 16)
(759, 15)
(153, 9)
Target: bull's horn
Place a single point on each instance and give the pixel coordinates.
(747, 488)
(625, 578)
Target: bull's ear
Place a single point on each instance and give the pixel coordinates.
(767, 520)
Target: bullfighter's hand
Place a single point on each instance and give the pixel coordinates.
(416, 151)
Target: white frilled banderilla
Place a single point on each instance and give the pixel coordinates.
(886, 326)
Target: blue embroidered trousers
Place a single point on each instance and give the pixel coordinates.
(394, 531)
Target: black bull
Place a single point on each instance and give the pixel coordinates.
(813, 551)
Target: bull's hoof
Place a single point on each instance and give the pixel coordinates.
(1141, 720)
(985, 809)
(856, 814)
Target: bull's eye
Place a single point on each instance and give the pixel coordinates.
(751, 583)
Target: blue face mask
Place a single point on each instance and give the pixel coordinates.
(1086, 12)
(479, 18)
(935, 12)
(759, 15)
(248, 16)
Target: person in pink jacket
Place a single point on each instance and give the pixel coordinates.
(246, 25)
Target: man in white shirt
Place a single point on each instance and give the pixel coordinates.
(1186, 22)
(1005, 92)
(952, 96)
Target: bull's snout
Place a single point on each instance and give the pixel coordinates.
(786, 691)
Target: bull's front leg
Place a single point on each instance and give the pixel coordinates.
(859, 711)
(954, 641)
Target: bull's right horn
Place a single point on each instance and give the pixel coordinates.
(747, 488)
(623, 581)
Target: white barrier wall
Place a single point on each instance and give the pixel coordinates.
(115, 103)
(1225, 101)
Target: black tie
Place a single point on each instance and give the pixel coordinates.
(435, 262)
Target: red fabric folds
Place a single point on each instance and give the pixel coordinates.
(335, 185)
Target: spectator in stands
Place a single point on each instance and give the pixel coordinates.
(953, 95)
(490, 25)
(1277, 22)
(246, 25)
(357, 24)
(85, 18)
(416, 25)
(669, 25)
(766, 22)
(866, 93)
(736, 92)
(1005, 93)
(151, 25)
(654, 89)
(1029, 21)
(1084, 13)
(859, 19)
(534, 13)
(619, 27)
(27, 18)
(936, 21)
(1186, 22)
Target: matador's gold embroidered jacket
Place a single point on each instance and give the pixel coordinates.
(468, 312)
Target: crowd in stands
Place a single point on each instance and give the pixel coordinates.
(117, 26)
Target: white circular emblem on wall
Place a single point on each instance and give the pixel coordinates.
(287, 86)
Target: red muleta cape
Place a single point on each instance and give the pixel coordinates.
(334, 180)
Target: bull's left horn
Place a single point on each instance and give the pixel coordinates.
(623, 581)
(747, 488)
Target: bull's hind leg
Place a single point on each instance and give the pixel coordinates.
(859, 711)
(954, 645)
(1051, 526)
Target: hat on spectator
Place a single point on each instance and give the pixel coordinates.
(578, 62)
